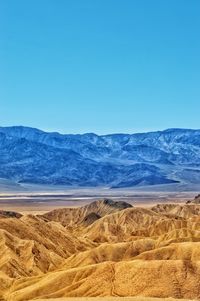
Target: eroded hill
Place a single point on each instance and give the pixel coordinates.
(105, 248)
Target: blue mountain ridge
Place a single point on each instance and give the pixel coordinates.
(29, 155)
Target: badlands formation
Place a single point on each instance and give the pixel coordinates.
(104, 249)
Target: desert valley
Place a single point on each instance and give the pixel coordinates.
(104, 248)
(88, 216)
(99, 150)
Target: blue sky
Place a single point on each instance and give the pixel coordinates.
(100, 66)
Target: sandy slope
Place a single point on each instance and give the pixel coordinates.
(115, 299)
(101, 250)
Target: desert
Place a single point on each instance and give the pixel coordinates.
(104, 249)
(99, 150)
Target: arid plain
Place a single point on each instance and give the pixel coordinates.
(133, 246)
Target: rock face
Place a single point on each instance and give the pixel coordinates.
(7, 214)
(93, 211)
(197, 199)
(105, 248)
(119, 160)
(90, 218)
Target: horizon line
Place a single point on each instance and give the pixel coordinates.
(60, 132)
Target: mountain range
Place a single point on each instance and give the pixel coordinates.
(29, 155)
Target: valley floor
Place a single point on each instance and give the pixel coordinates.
(33, 199)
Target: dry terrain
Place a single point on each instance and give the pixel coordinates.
(106, 249)
(113, 299)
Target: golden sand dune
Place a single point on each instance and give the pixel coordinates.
(101, 250)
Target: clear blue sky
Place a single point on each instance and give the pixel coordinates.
(100, 65)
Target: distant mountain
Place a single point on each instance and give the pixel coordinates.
(30, 155)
